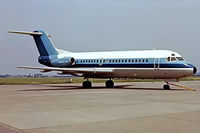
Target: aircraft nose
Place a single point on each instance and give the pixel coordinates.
(194, 70)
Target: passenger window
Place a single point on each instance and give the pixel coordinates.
(143, 60)
(132, 60)
(139, 60)
(147, 60)
(136, 60)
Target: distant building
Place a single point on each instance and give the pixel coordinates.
(5, 76)
(39, 76)
(35, 76)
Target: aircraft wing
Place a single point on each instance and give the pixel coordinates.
(72, 71)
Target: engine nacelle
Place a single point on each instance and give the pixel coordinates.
(63, 62)
(44, 60)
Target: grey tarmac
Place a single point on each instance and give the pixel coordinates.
(129, 107)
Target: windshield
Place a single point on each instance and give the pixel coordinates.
(180, 58)
(175, 58)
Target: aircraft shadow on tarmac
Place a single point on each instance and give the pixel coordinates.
(121, 87)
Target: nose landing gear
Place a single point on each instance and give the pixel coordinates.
(166, 86)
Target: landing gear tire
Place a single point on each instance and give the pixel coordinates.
(87, 84)
(166, 87)
(109, 84)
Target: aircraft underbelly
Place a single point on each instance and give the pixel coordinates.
(148, 73)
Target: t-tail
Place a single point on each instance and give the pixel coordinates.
(48, 52)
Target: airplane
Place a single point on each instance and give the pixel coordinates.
(143, 64)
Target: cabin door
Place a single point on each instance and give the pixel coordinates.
(156, 63)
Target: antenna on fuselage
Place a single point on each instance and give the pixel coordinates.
(153, 48)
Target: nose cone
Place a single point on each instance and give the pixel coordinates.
(194, 70)
(192, 66)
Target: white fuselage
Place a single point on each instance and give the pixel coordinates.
(152, 64)
(147, 64)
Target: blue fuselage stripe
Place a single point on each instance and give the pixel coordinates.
(134, 65)
(151, 63)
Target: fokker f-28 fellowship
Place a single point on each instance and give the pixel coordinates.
(145, 64)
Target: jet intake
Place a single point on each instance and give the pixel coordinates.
(194, 70)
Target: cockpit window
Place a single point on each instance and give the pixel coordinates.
(180, 58)
(173, 58)
(168, 59)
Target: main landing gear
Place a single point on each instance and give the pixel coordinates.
(109, 84)
(88, 84)
(166, 86)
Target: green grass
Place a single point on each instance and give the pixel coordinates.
(10, 81)
(14, 81)
(192, 78)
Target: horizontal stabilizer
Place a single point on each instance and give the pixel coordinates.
(25, 32)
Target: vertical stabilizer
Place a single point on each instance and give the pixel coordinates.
(42, 40)
(44, 44)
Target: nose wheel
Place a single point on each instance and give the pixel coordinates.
(109, 84)
(166, 87)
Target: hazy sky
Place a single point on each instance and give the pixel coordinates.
(98, 25)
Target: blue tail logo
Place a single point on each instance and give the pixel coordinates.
(44, 44)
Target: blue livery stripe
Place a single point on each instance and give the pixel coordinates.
(134, 65)
(44, 44)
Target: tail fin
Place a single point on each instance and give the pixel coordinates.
(42, 40)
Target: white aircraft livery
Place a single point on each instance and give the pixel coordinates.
(144, 64)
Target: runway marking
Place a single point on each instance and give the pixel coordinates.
(184, 87)
(4, 128)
